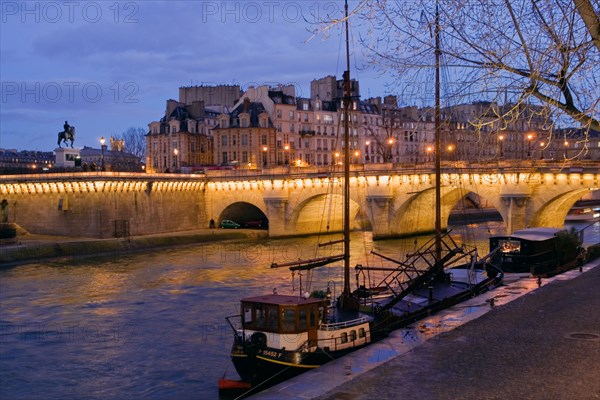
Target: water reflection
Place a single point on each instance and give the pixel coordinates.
(152, 325)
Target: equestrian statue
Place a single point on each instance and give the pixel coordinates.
(67, 135)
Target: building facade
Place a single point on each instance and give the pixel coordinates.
(270, 126)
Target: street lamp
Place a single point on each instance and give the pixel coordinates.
(529, 139)
(367, 143)
(542, 146)
(264, 149)
(429, 150)
(175, 153)
(102, 141)
(390, 142)
(566, 148)
(287, 154)
(501, 140)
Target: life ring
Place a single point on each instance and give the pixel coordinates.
(259, 340)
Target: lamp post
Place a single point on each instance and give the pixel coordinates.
(175, 153)
(102, 145)
(566, 148)
(367, 143)
(500, 141)
(542, 146)
(264, 149)
(390, 143)
(429, 150)
(286, 149)
(529, 139)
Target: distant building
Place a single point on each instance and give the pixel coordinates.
(245, 137)
(25, 162)
(309, 131)
(182, 139)
(114, 160)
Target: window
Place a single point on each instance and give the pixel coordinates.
(344, 337)
(353, 335)
(224, 140)
(291, 115)
(247, 315)
(302, 319)
(305, 106)
(278, 113)
(288, 319)
(263, 139)
(244, 157)
(244, 140)
(362, 333)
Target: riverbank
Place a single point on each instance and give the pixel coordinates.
(27, 247)
(540, 340)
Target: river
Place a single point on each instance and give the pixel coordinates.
(150, 325)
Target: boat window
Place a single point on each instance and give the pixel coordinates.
(344, 337)
(272, 319)
(510, 246)
(362, 333)
(314, 315)
(302, 319)
(353, 335)
(247, 315)
(260, 316)
(288, 319)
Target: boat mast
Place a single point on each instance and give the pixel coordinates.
(346, 298)
(438, 134)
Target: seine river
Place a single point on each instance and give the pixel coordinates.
(150, 325)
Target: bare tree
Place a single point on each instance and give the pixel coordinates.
(519, 52)
(135, 142)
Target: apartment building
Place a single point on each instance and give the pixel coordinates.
(267, 126)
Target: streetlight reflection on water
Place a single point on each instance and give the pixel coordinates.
(151, 322)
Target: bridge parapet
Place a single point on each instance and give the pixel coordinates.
(391, 201)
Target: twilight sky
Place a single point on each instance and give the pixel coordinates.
(105, 66)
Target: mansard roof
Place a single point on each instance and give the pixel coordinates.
(279, 97)
(254, 110)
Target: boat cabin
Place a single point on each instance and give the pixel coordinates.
(527, 249)
(282, 314)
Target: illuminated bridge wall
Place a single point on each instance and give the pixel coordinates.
(105, 204)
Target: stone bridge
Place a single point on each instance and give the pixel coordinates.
(389, 200)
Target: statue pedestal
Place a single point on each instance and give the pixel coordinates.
(67, 157)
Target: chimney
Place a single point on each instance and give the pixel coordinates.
(246, 105)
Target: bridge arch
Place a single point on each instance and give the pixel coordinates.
(244, 213)
(554, 211)
(322, 212)
(417, 214)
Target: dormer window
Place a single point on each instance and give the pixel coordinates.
(244, 121)
(224, 122)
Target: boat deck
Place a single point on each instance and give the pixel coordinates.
(462, 279)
